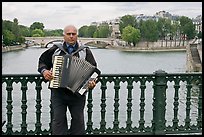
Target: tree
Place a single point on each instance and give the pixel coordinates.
(135, 36)
(83, 31)
(175, 31)
(127, 20)
(37, 33)
(90, 31)
(7, 25)
(131, 35)
(150, 31)
(8, 38)
(56, 32)
(12, 32)
(187, 28)
(37, 25)
(167, 29)
(126, 34)
(103, 31)
(25, 31)
(160, 27)
(15, 29)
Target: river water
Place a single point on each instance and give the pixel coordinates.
(109, 62)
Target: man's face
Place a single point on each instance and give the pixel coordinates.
(70, 35)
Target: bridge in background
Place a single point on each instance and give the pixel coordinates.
(44, 41)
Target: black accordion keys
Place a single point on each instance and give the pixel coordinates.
(72, 73)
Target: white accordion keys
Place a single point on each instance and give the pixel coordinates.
(57, 67)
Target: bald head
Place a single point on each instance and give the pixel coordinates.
(69, 27)
(70, 34)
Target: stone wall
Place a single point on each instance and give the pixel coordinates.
(12, 48)
(157, 44)
(193, 63)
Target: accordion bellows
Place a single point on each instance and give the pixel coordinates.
(72, 73)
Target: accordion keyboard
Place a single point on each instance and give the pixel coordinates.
(57, 68)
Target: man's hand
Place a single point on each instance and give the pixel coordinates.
(47, 74)
(92, 84)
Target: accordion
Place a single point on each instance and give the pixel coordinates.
(72, 73)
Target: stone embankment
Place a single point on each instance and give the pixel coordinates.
(150, 49)
(194, 57)
(153, 47)
(13, 48)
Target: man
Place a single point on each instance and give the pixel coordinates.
(62, 98)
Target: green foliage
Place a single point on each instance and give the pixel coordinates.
(131, 35)
(6, 25)
(37, 25)
(127, 20)
(25, 31)
(56, 32)
(103, 31)
(37, 33)
(21, 39)
(82, 31)
(149, 30)
(87, 31)
(13, 32)
(136, 36)
(187, 28)
(8, 37)
(92, 31)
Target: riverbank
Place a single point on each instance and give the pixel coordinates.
(13, 48)
(141, 49)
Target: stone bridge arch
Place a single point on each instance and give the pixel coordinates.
(45, 41)
(101, 43)
(52, 42)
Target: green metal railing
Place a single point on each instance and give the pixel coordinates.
(173, 102)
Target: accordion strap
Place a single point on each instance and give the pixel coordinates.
(79, 49)
(59, 45)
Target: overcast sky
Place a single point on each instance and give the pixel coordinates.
(56, 15)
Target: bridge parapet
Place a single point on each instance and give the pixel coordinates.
(194, 57)
(43, 41)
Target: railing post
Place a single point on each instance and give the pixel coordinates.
(159, 103)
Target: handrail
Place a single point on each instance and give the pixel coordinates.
(156, 94)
